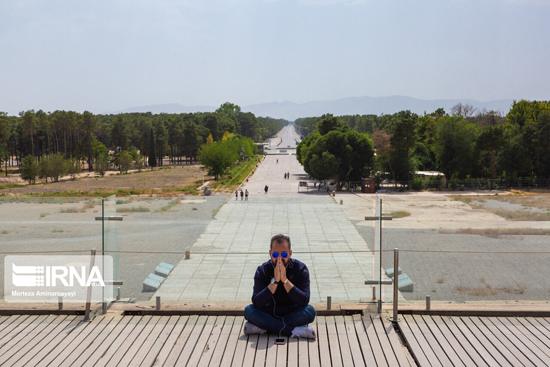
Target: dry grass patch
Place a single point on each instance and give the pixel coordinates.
(440, 281)
(170, 205)
(400, 214)
(488, 290)
(134, 209)
(497, 232)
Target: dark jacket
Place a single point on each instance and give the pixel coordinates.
(296, 272)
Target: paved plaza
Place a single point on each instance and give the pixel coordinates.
(314, 222)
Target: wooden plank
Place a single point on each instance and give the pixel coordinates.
(184, 323)
(313, 348)
(521, 342)
(364, 343)
(427, 325)
(462, 347)
(535, 331)
(281, 354)
(522, 332)
(348, 327)
(45, 347)
(151, 338)
(2, 319)
(322, 337)
(201, 343)
(400, 351)
(303, 352)
(98, 341)
(469, 336)
(185, 341)
(292, 352)
(333, 343)
(250, 351)
(12, 346)
(100, 349)
(391, 359)
(128, 342)
(81, 343)
(417, 351)
(232, 342)
(261, 351)
(541, 325)
(374, 343)
(343, 342)
(431, 341)
(113, 346)
(483, 342)
(503, 346)
(10, 323)
(60, 352)
(271, 356)
(138, 341)
(240, 348)
(212, 342)
(222, 341)
(15, 327)
(169, 329)
(181, 356)
(38, 341)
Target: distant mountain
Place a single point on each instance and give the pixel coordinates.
(367, 105)
(345, 106)
(168, 108)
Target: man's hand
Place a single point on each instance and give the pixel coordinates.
(282, 270)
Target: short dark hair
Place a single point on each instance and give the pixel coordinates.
(279, 238)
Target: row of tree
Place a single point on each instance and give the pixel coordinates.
(218, 156)
(463, 144)
(85, 137)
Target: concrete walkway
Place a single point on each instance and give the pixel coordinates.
(314, 222)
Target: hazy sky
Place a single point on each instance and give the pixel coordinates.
(110, 55)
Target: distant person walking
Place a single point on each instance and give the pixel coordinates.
(236, 195)
(242, 194)
(277, 161)
(266, 188)
(246, 195)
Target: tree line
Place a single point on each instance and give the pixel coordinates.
(145, 137)
(464, 143)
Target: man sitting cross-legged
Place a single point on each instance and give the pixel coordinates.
(281, 295)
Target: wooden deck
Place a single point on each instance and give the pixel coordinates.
(477, 341)
(114, 340)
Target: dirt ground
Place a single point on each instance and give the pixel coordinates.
(161, 178)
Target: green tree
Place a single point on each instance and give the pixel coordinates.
(152, 151)
(454, 146)
(491, 139)
(229, 109)
(191, 139)
(29, 169)
(351, 152)
(102, 164)
(139, 162)
(124, 161)
(98, 148)
(71, 167)
(216, 157)
(331, 123)
(89, 122)
(402, 142)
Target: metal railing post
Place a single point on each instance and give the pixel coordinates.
(89, 295)
(395, 284)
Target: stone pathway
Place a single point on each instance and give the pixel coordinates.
(314, 222)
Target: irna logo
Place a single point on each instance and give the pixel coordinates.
(52, 276)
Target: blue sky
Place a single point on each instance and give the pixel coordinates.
(110, 55)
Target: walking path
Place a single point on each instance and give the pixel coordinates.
(314, 222)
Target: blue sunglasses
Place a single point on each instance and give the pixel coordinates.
(276, 254)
